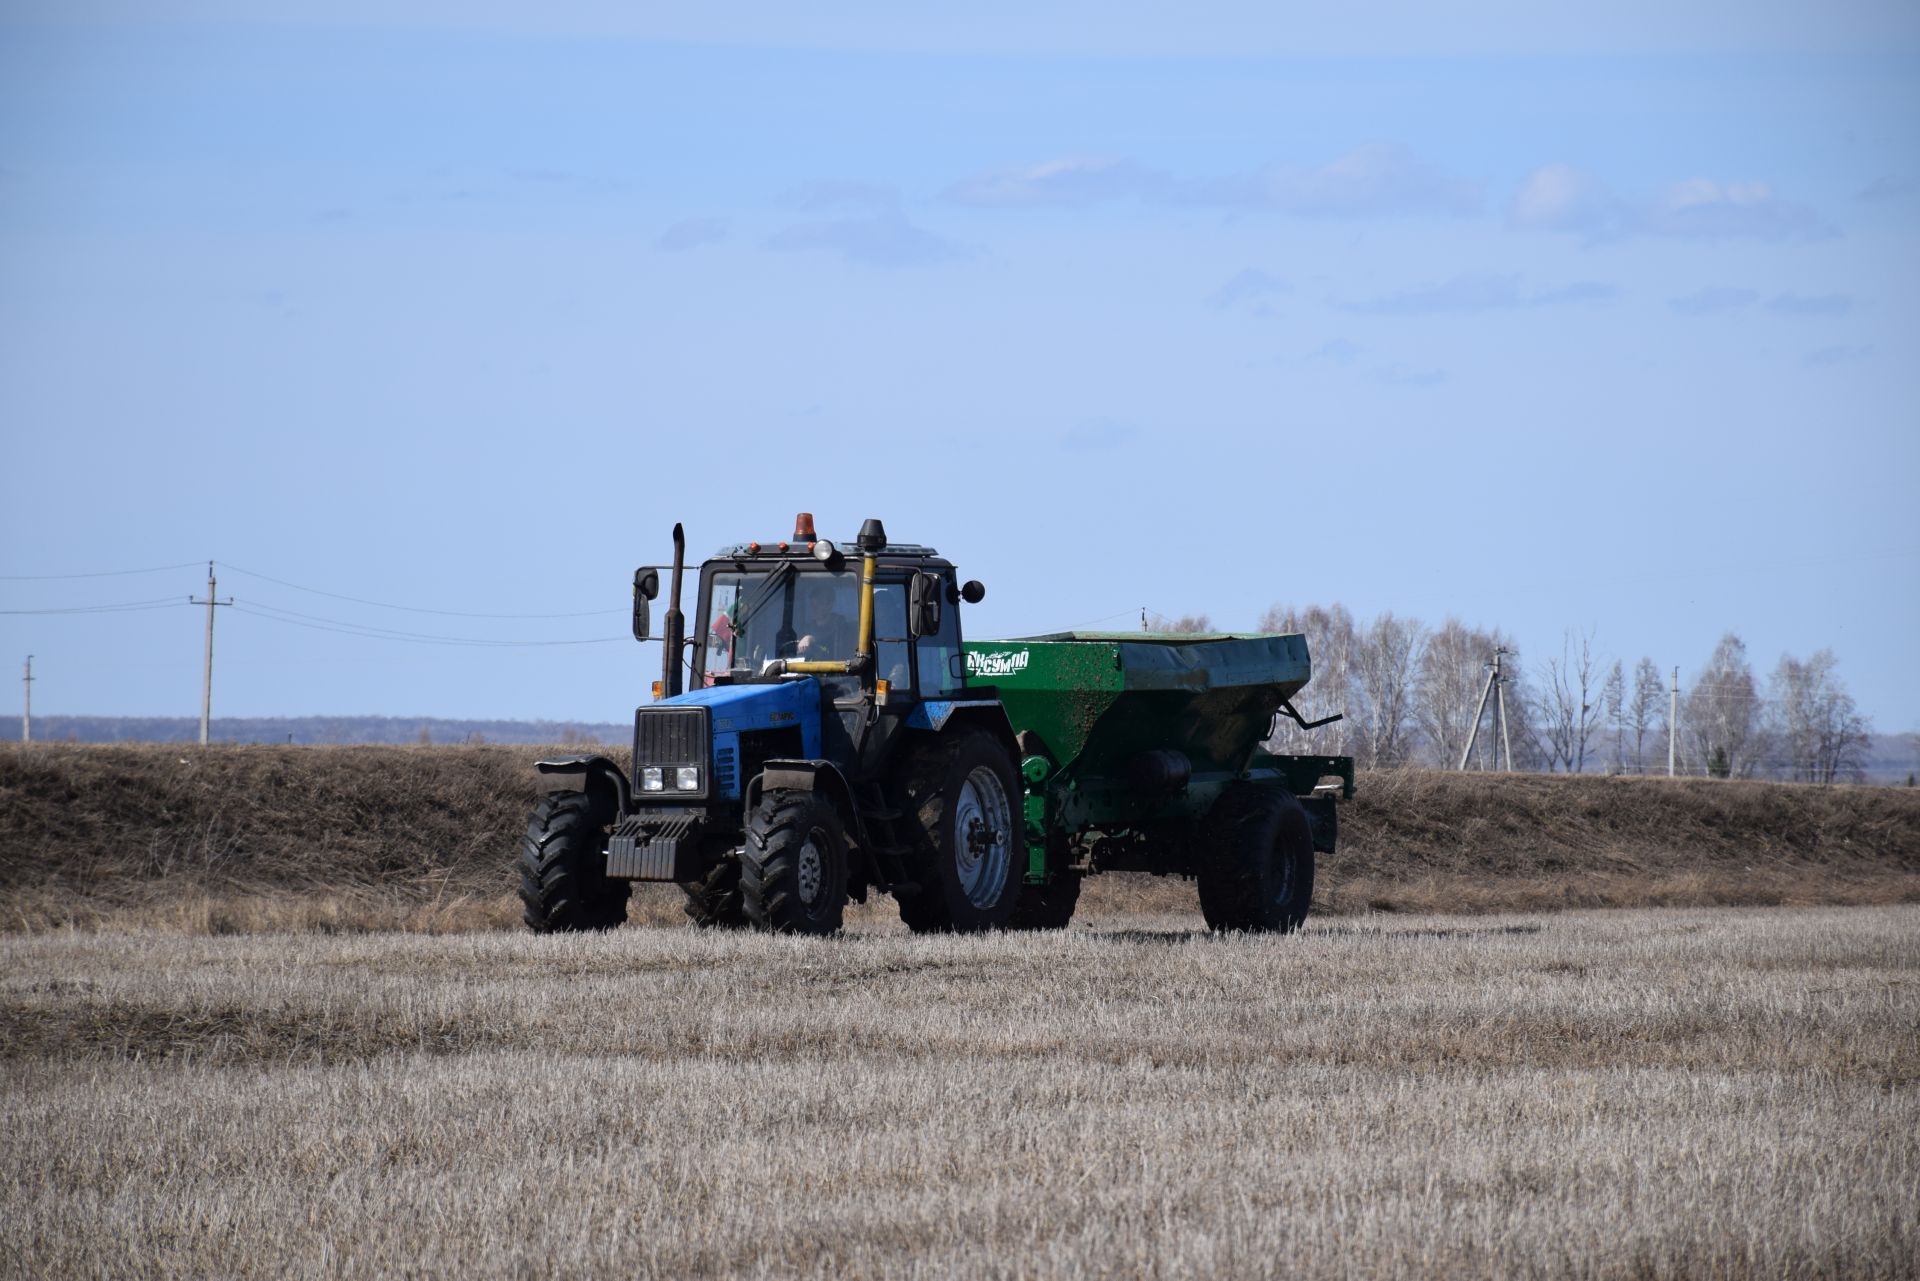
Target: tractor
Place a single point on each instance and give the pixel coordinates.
(824, 731)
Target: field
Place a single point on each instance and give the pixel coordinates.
(296, 1033)
(1725, 1093)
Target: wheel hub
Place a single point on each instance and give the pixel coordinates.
(810, 870)
(983, 826)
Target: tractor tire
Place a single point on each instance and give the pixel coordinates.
(713, 901)
(966, 796)
(1256, 864)
(793, 868)
(1047, 907)
(563, 867)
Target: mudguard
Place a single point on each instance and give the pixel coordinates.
(585, 774)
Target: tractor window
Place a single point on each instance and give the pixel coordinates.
(756, 617)
(890, 635)
(939, 652)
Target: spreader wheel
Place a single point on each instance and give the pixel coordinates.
(1256, 864)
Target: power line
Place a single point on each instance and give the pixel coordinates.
(277, 615)
(412, 609)
(158, 602)
(105, 573)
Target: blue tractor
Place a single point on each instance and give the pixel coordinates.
(825, 744)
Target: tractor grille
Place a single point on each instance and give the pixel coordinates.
(725, 783)
(669, 736)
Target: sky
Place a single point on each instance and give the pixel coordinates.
(425, 318)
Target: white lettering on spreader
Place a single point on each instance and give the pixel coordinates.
(999, 663)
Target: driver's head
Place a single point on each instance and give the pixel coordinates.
(817, 606)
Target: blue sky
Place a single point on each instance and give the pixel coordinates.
(1605, 322)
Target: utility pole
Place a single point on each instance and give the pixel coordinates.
(1673, 722)
(1495, 681)
(206, 682)
(26, 703)
(1500, 707)
(1143, 618)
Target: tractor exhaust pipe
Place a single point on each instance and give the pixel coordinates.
(673, 634)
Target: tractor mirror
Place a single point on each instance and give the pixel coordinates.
(923, 614)
(646, 586)
(973, 592)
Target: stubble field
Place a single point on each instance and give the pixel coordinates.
(1669, 1093)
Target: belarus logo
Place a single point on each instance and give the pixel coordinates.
(1000, 663)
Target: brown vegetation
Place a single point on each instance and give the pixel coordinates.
(234, 839)
(1675, 1094)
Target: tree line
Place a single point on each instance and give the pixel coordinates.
(1409, 693)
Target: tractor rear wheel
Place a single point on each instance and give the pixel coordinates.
(965, 794)
(563, 867)
(793, 868)
(1047, 907)
(1256, 865)
(713, 901)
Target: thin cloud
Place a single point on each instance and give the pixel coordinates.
(1811, 304)
(1480, 291)
(1378, 180)
(1714, 300)
(1072, 182)
(692, 234)
(1252, 288)
(1337, 350)
(1561, 198)
(886, 240)
(1887, 189)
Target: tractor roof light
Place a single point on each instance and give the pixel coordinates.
(823, 550)
(803, 528)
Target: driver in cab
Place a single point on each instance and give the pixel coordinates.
(827, 631)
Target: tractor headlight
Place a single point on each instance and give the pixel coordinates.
(687, 778)
(653, 779)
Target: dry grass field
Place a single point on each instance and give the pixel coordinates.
(1670, 1093)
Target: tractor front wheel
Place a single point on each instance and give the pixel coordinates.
(1256, 867)
(793, 868)
(563, 867)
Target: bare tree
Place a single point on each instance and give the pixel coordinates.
(1645, 710)
(1386, 662)
(1820, 733)
(1613, 703)
(1566, 706)
(1722, 716)
(1187, 623)
(1330, 646)
(1451, 675)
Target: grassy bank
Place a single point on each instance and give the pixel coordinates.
(236, 839)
